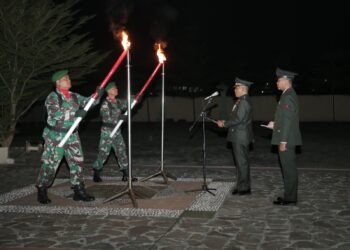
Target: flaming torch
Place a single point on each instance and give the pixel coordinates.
(161, 58)
(126, 45)
(161, 170)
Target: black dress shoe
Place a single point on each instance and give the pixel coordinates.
(246, 192)
(234, 191)
(282, 202)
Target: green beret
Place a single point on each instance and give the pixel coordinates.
(59, 74)
(110, 85)
(242, 82)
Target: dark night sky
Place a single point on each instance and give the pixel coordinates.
(213, 41)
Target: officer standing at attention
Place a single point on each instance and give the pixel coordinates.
(286, 135)
(240, 134)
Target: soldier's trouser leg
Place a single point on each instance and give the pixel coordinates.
(240, 152)
(289, 173)
(104, 150)
(50, 163)
(120, 151)
(74, 157)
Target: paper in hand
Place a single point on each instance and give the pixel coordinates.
(265, 126)
(210, 119)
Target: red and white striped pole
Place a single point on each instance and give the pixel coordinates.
(137, 97)
(126, 45)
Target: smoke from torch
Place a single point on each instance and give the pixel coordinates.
(120, 34)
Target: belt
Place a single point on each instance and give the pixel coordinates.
(61, 130)
(108, 125)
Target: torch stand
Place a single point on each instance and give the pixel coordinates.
(161, 171)
(203, 115)
(128, 189)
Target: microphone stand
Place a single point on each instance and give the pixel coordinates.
(203, 116)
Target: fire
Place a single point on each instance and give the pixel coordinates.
(119, 34)
(160, 54)
(125, 42)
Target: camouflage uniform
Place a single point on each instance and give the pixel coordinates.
(61, 115)
(110, 113)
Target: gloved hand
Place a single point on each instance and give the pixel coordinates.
(123, 118)
(100, 92)
(80, 113)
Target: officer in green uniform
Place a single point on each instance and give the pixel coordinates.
(286, 134)
(240, 134)
(111, 112)
(63, 107)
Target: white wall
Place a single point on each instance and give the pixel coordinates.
(312, 108)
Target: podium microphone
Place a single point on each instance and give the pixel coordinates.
(216, 93)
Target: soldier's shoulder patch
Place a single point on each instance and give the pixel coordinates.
(52, 97)
(285, 106)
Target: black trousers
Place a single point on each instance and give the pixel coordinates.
(240, 154)
(289, 173)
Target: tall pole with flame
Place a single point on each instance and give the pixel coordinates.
(128, 189)
(162, 59)
(93, 98)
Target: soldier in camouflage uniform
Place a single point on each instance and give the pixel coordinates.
(63, 107)
(111, 112)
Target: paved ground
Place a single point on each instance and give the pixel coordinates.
(321, 220)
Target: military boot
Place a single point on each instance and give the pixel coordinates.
(80, 193)
(126, 175)
(42, 195)
(97, 177)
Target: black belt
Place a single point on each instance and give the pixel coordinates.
(61, 130)
(108, 125)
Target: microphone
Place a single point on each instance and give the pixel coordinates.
(216, 93)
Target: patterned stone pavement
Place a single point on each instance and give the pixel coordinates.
(321, 219)
(154, 198)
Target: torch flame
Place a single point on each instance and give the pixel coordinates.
(125, 42)
(160, 54)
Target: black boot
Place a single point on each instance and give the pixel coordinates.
(42, 195)
(126, 175)
(80, 193)
(97, 177)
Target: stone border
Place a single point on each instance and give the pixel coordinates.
(202, 202)
(208, 202)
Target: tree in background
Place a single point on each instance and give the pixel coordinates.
(38, 37)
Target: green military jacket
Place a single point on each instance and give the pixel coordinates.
(110, 111)
(286, 127)
(61, 111)
(240, 123)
